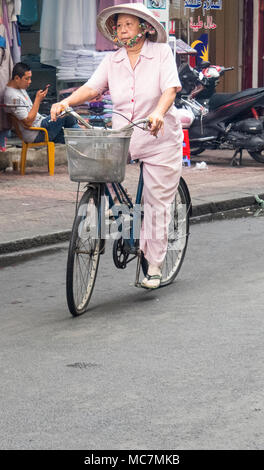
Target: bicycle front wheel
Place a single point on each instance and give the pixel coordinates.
(84, 253)
(178, 234)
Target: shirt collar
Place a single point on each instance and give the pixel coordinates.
(146, 51)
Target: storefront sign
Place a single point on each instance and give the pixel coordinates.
(156, 4)
(172, 27)
(200, 24)
(160, 9)
(207, 6)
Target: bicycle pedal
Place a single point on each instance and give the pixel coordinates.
(137, 284)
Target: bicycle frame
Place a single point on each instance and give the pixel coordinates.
(119, 189)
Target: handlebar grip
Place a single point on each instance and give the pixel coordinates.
(65, 111)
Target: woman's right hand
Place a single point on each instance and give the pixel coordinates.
(56, 109)
(156, 122)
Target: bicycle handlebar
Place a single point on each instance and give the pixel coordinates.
(70, 110)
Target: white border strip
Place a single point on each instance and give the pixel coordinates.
(255, 43)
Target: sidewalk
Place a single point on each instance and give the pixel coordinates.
(37, 209)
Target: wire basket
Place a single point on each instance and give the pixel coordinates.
(97, 155)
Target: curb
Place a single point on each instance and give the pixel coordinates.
(26, 255)
(200, 213)
(223, 206)
(34, 242)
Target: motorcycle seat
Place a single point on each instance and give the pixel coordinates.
(219, 99)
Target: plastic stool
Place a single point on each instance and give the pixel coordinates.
(186, 157)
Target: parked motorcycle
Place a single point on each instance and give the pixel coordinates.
(210, 80)
(221, 120)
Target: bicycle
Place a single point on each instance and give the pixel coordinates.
(87, 241)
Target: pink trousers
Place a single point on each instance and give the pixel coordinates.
(161, 179)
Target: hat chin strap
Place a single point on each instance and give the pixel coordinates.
(146, 28)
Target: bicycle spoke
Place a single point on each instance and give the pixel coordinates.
(83, 255)
(178, 233)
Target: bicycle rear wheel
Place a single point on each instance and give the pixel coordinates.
(84, 253)
(178, 234)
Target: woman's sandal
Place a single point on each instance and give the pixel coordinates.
(151, 282)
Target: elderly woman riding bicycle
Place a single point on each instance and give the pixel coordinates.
(143, 81)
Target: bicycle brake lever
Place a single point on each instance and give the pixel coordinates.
(65, 111)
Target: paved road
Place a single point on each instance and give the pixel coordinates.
(179, 368)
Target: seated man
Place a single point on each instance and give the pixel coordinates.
(27, 112)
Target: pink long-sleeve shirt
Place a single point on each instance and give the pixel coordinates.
(135, 93)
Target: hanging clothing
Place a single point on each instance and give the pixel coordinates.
(73, 22)
(89, 28)
(9, 9)
(29, 12)
(13, 9)
(16, 47)
(7, 23)
(103, 44)
(17, 8)
(5, 75)
(51, 31)
(66, 24)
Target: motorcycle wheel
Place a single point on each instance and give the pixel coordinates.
(197, 150)
(258, 156)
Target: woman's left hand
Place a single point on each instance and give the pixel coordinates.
(156, 122)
